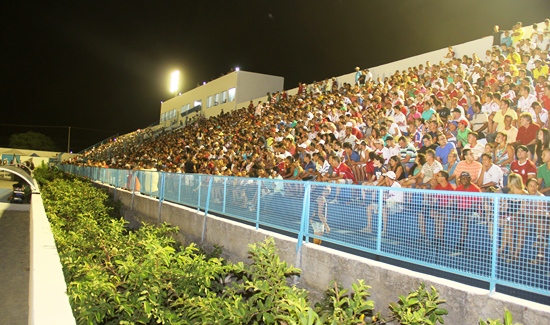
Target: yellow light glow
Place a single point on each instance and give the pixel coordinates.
(174, 81)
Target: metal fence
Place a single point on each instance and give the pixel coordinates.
(500, 239)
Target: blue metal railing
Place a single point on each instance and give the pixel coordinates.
(500, 239)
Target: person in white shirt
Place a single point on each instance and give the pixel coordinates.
(477, 148)
(526, 99)
(491, 177)
(539, 114)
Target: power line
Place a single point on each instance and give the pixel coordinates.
(56, 126)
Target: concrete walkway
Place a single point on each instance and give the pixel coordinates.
(14, 259)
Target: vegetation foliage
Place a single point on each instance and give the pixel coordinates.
(116, 275)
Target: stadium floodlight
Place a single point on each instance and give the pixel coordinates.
(174, 82)
(237, 69)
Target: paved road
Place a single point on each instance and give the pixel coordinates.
(14, 260)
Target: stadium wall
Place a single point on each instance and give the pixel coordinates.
(320, 265)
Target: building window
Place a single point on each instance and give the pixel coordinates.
(224, 97)
(216, 99)
(197, 103)
(231, 94)
(209, 101)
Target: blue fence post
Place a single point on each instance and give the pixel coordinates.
(304, 222)
(258, 203)
(179, 188)
(379, 221)
(224, 194)
(492, 282)
(199, 193)
(208, 194)
(161, 193)
(206, 208)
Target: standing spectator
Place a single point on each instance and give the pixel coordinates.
(514, 220)
(467, 205)
(393, 203)
(440, 208)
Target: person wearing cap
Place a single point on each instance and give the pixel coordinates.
(462, 134)
(523, 166)
(393, 203)
(469, 165)
(466, 206)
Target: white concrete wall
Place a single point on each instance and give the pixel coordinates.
(48, 300)
(255, 85)
(320, 265)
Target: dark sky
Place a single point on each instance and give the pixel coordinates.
(103, 67)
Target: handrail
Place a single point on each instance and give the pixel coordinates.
(477, 223)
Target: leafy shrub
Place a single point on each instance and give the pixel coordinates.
(120, 276)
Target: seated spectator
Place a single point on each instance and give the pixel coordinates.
(407, 152)
(543, 142)
(379, 170)
(509, 130)
(445, 147)
(523, 166)
(496, 121)
(543, 173)
(428, 143)
(479, 120)
(426, 178)
(527, 132)
(491, 178)
(341, 174)
(539, 114)
(396, 166)
(477, 148)
(462, 134)
(468, 165)
(414, 174)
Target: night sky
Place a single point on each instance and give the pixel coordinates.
(102, 67)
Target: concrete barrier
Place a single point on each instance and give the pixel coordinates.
(320, 265)
(48, 300)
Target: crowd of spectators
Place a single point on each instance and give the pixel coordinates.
(469, 123)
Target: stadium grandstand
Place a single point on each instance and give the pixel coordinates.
(440, 166)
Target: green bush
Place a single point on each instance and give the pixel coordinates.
(116, 275)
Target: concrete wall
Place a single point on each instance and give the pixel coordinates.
(48, 300)
(320, 265)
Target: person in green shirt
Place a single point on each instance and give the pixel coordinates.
(543, 173)
(462, 134)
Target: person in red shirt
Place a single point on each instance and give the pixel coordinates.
(439, 207)
(467, 205)
(527, 132)
(523, 166)
(341, 174)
